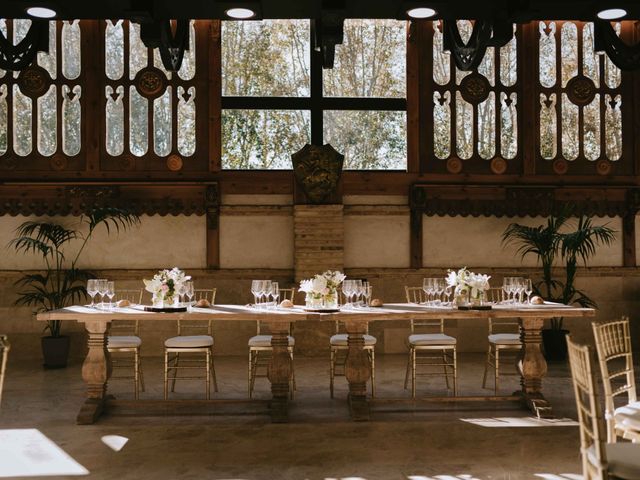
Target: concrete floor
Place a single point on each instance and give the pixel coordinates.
(419, 441)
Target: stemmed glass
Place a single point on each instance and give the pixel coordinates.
(102, 290)
(256, 289)
(440, 287)
(189, 292)
(506, 287)
(347, 290)
(357, 291)
(426, 287)
(266, 291)
(275, 293)
(528, 289)
(111, 292)
(181, 290)
(367, 291)
(92, 290)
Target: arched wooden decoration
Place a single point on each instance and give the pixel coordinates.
(18, 57)
(158, 35)
(486, 33)
(625, 57)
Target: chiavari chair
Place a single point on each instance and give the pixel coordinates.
(191, 352)
(613, 345)
(600, 460)
(5, 346)
(124, 340)
(504, 338)
(260, 349)
(434, 349)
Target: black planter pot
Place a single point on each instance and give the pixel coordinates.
(555, 344)
(55, 351)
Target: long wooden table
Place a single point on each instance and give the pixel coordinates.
(96, 369)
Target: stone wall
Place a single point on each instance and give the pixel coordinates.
(257, 241)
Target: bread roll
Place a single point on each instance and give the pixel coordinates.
(123, 303)
(286, 304)
(376, 302)
(203, 303)
(535, 300)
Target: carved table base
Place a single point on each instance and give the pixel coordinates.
(279, 372)
(533, 367)
(96, 371)
(357, 370)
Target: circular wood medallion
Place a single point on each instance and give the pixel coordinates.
(603, 167)
(581, 90)
(150, 82)
(498, 165)
(126, 162)
(454, 165)
(560, 166)
(174, 163)
(58, 162)
(475, 88)
(34, 81)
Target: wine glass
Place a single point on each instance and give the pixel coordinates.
(357, 291)
(102, 289)
(347, 289)
(506, 287)
(275, 293)
(528, 289)
(441, 285)
(92, 290)
(426, 287)
(266, 291)
(181, 290)
(256, 288)
(367, 292)
(111, 292)
(189, 291)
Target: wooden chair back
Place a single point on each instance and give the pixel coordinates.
(285, 294)
(127, 327)
(592, 431)
(198, 327)
(613, 345)
(5, 346)
(416, 295)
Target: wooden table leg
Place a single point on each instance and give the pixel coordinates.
(96, 371)
(533, 367)
(279, 372)
(357, 370)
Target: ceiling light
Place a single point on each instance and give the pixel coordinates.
(421, 12)
(240, 13)
(611, 13)
(41, 12)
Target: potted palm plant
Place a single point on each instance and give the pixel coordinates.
(61, 282)
(569, 240)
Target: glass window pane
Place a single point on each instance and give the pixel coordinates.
(71, 49)
(114, 50)
(47, 122)
(115, 121)
(263, 139)
(71, 114)
(371, 62)
(186, 121)
(369, 140)
(547, 42)
(266, 58)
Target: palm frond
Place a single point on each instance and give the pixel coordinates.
(49, 233)
(31, 245)
(111, 217)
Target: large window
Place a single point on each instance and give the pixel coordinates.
(277, 97)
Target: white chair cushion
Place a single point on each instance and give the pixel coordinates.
(186, 341)
(123, 341)
(628, 417)
(426, 339)
(265, 341)
(340, 340)
(505, 339)
(623, 459)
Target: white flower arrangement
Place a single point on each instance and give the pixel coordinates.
(165, 284)
(464, 281)
(323, 285)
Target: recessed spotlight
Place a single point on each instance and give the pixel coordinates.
(611, 13)
(41, 12)
(421, 12)
(240, 13)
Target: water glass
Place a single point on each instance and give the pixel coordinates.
(92, 290)
(347, 290)
(357, 291)
(111, 292)
(367, 293)
(528, 289)
(102, 289)
(256, 289)
(275, 293)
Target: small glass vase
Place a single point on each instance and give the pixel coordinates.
(315, 302)
(461, 298)
(160, 301)
(478, 300)
(330, 301)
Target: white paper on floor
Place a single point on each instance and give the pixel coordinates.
(114, 442)
(28, 452)
(496, 422)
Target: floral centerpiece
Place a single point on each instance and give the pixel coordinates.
(322, 290)
(165, 286)
(468, 286)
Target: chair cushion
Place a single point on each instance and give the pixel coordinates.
(627, 417)
(186, 341)
(265, 341)
(123, 341)
(340, 339)
(623, 459)
(424, 339)
(505, 339)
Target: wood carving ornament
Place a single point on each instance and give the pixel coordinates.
(318, 170)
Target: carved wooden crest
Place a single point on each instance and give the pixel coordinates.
(317, 169)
